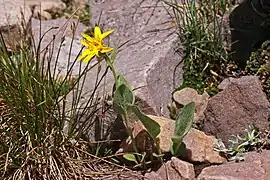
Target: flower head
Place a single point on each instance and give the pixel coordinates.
(94, 45)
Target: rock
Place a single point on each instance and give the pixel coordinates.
(150, 53)
(11, 18)
(46, 9)
(188, 95)
(240, 104)
(63, 35)
(200, 147)
(185, 96)
(249, 24)
(255, 167)
(175, 169)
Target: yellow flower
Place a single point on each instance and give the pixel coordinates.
(94, 45)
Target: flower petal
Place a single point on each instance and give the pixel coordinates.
(105, 34)
(88, 38)
(84, 54)
(84, 42)
(95, 50)
(89, 57)
(97, 33)
(106, 49)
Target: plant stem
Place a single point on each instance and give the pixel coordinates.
(126, 120)
(110, 64)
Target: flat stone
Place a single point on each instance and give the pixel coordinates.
(241, 103)
(185, 96)
(255, 167)
(200, 148)
(175, 169)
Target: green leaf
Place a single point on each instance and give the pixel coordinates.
(121, 80)
(183, 124)
(150, 125)
(123, 98)
(130, 157)
(177, 146)
(184, 120)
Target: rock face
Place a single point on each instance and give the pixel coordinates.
(63, 38)
(200, 147)
(150, 55)
(255, 167)
(249, 23)
(175, 169)
(241, 103)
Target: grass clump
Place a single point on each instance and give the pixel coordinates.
(202, 31)
(42, 115)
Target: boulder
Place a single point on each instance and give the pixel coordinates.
(241, 103)
(150, 53)
(255, 167)
(175, 169)
(59, 34)
(200, 148)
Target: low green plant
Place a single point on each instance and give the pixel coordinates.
(123, 97)
(124, 100)
(201, 29)
(238, 145)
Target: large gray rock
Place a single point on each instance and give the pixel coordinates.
(59, 35)
(255, 167)
(149, 57)
(241, 103)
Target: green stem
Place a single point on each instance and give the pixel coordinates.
(111, 66)
(126, 120)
